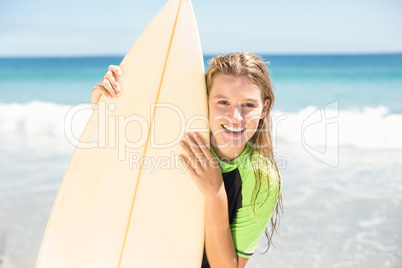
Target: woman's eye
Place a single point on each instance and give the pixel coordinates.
(250, 105)
(223, 102)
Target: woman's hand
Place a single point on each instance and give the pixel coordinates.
(202, 166)
(206, 173)
(108, 86)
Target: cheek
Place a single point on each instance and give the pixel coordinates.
(212, 113)
(212, 117)
(216, 113)
(253, 118)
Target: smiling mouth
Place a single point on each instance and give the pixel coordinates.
(235, 130)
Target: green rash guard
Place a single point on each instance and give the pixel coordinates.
(248, 214)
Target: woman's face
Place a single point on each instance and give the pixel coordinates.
(235, 108)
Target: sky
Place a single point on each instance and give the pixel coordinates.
(96, 28)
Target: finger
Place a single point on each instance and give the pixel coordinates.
(201, 157)
(202, 145)
(97, 92)
(106, 85)
(194, 147)
(115, 69)
(190, 157)
(95, 96)
(189, 168)
(114, 86)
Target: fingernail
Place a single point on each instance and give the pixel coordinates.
(195, 135)
(119, 73)
(181, 143)
(186, 135)
(117, 88)
(117, 94)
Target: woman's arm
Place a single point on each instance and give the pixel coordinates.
(218, 237)
(206, 174)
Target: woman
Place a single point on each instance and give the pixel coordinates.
(238, 175)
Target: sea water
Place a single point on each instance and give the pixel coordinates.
(337, 128)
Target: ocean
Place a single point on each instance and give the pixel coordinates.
(337, 128)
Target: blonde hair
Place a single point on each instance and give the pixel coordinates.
(254, 68)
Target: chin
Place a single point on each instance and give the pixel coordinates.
(224, 142)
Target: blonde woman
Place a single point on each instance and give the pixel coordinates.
(237, 175)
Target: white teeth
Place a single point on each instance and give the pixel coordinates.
(233, 129)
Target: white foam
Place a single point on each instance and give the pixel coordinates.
(39, 123)
(370, 128)
(38, 117)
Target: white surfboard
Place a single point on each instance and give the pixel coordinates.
(125, 200)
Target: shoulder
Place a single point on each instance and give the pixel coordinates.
(259, 178)
(265, 168)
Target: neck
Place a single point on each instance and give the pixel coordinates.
(227, 153)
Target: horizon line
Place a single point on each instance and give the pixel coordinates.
(112, 55)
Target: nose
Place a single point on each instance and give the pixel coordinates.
(236, 114)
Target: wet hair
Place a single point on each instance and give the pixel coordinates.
(247, 64)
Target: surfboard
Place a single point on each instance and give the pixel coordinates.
(125, 200)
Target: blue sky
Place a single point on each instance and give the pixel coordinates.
(80, 27)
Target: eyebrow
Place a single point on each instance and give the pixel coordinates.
(225, 97)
